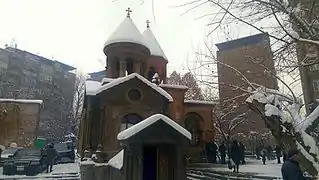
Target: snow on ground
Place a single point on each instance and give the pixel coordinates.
(67, 171)
(271, 169)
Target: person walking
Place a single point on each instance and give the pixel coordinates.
(235, 155)
(242, 153)
(290, 170)
(264, 155)
(222, 150)
(269, 152)
(278, 154)
(51, 155)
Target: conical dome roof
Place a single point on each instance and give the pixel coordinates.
(152, 43)
(126, 32)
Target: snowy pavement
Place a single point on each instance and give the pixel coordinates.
(271, 169)
(254, 169)
(61, 171)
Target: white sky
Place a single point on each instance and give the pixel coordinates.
(74, 31)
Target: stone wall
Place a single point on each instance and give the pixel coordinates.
(19, 123)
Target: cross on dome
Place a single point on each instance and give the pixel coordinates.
(128, 12)
(148, 23)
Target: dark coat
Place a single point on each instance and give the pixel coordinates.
(242, 150)
(290, 170)
(51, 154)
(222, 149)
(278, 151)
(235, 153)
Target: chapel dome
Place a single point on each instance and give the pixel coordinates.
(126, 33)
(153, 44)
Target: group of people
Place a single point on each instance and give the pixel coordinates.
(234, 150)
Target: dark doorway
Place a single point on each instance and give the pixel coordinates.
(150, 163)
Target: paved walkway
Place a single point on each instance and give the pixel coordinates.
(254, 169)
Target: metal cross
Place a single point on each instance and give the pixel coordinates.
(128, 12)
(148, 23)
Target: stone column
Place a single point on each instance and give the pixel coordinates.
(137, 67)
(122, 67)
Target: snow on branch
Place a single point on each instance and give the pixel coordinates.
(282, 116)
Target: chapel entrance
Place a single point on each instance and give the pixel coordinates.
(154, 149)
(149, 163)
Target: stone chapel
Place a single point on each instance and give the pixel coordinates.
(133, 89)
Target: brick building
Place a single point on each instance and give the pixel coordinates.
(24, 75)
(129, 94)
(249, 55)
(19, 119)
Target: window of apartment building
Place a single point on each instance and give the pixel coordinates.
(29, 80)
(314, 67)
(3, 67)
(315, 84)
(46, 69)
(45, 77)
(29, 73)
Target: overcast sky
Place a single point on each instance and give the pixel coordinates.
(74, 31)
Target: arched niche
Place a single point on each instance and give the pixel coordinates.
(193, 123)
(129, 120)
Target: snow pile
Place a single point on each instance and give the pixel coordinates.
(91, 87)
(127, 133)
(271, 110)
(117, 160)
(310, 119)
(30, 101)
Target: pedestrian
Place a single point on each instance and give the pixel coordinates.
(264, 155)
(290, 170)
(214, 149)
(242, 153)
(222, 150)
(278, 154)
(235, 155)
(51, 155)
(269, 152)
(258, 152)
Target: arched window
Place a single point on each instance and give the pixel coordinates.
(129, 120)
(192, 124)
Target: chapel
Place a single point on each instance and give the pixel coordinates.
(133, 89)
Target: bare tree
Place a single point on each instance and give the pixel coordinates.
(188, 79)
(227, 120)
(79, 87)
(174, 78)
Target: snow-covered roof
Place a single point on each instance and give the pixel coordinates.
(153, 44)
(91, 87)
(127, 133)
(126, 32)
(117, 160)
(173, 86)
(107, 80)
(200, 102)
(131, 76)
(27, 101)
